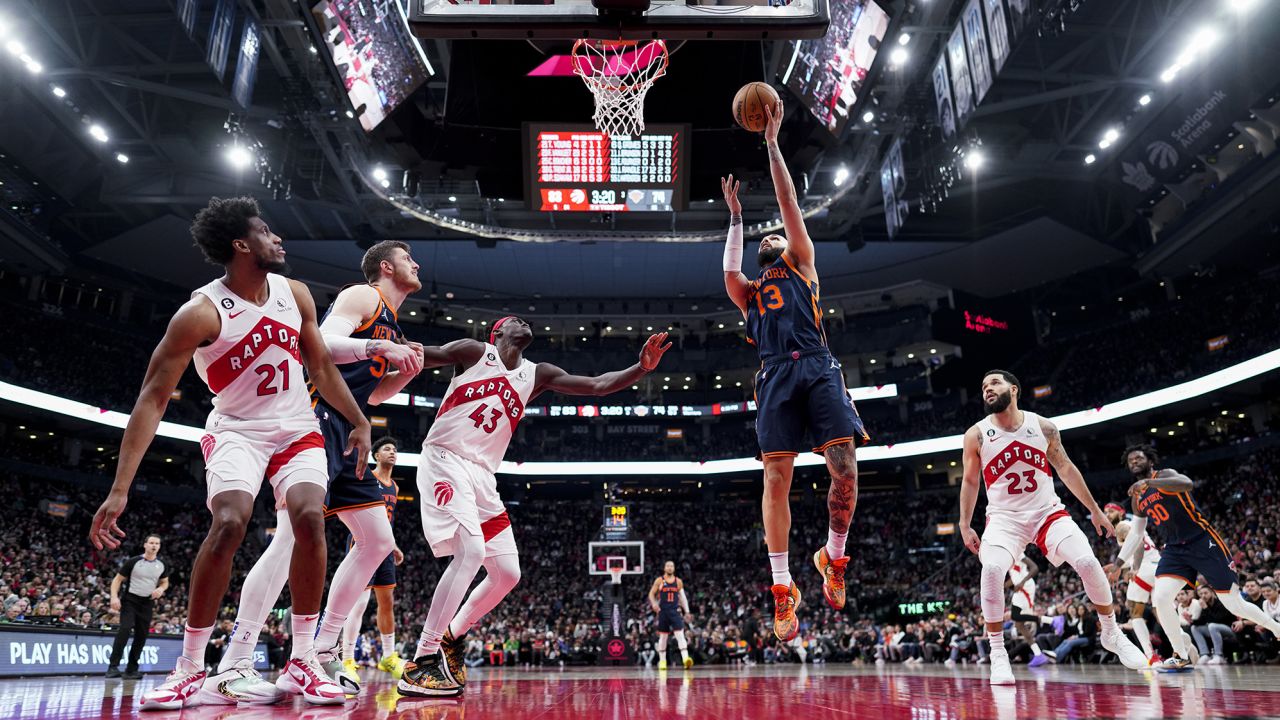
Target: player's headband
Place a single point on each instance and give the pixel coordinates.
(494, 332)
(1114, 506)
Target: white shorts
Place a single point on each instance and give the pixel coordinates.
(1025, 599)
(1141, 583)
(459, 495)
(1047, 532)
(239, 454)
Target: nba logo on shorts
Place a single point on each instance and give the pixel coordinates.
(207, 444)
(443, 492)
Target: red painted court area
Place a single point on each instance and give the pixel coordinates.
(727, 693)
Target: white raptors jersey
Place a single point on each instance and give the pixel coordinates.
(254, 368)
(1015, 469)
(1150, 555)
(1026, 596)
(481, 409)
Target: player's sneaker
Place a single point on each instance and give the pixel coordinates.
(785, 602)
(688, 661)
(1154, 660)
(832, 572)
(453, 650)
(350, 665)
(1129, 654)
(393, 664)
(425, 677)
(305, 677)
(1173, 665)
(177, 688)
(1040, 660)
(239, 685)
(662, 663)
(335, 667)
(1001, 669)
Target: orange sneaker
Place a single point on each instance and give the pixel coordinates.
(785, 602)
(832, 577)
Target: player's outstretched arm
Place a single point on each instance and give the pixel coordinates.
(464, 353)
(396, 380)
(798, 243)
(1071, 477)
(555, 379)
(735, 283)
(324, 374)
(1167, 480)
(969, 489)
(195, 323)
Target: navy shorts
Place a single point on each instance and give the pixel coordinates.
(346, 492)
(804, 394)
(670, 619)
(385, 575)
(1204, 556)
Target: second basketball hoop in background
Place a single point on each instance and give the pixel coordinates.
(749, 103)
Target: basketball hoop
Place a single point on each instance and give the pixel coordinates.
(615, 575)
(615, 566)
(619, 73)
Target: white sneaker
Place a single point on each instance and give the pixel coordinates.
(239, 685)
(949, 662)
(177, 688)
(1216, 660)
(1001, 669)
(331, 661)
(305, 677)
(879, 661)
(1129, 654)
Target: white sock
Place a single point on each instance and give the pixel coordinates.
(388, 643)
(1035, 649)
(331, 624)
(193, 642)
(1108, 623)
(304, 634)
(835, 544)
(778, 563)
(244, 636)
(996, 639)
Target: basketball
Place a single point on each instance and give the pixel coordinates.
(748, 105)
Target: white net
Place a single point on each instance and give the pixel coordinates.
(619, 75)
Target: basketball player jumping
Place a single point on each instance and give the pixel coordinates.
(800, 386)
(1191, 548)
(462, 514)
(1011, 450)
(250, 333)
(667, 597)
(1142, 577)
(362, 334)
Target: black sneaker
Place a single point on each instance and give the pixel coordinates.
(133, 674)
(426, 677)
(113, 673)
(453, 649)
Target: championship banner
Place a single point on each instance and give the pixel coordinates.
(247, 64)
(961, 86)
(891, 220)
(998, 31)
(188, 11)
(32, 650)
(220, 31)
(1019, 19)
(979, 55)
(942, 94)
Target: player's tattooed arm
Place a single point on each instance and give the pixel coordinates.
(1073, 479)
(799, 246)
(555, 379)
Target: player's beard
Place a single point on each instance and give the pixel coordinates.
(280, 267)
(769, 256)
(999, 404)
(409, 281)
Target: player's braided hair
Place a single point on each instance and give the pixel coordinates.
(223, 221)
(1148, 451)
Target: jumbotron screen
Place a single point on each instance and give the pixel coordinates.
(576, 168)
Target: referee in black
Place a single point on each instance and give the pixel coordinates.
(144, 579)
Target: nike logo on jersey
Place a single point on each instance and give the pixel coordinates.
(1211, 545)
(234, 315)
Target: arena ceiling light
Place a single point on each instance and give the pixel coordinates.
(122, 158)
(1145, 100)
(58, 92)
(904, 38)
(898, 56)
(974, 160)
(868, 116)
(97, 132)
(239, 157)
(842, 175)
(1090, 159)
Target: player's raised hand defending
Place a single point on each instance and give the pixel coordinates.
(729, 187)
(971, 539)
(1100, 523)
(775, 122)
(105, 533)
(653, 350)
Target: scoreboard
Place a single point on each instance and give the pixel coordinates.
(617, 525)
(576, 168)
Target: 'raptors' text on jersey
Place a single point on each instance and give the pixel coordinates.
(254, 367)
(481, 409)
(1015, 470)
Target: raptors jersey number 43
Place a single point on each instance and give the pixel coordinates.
(1015, 470)
(254, 368)
(481, 409)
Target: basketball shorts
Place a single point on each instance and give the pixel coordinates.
(346, 491)
(669, 619)
(1048, 532)
(459, 495)
(239, 454)
(1025, 599)
(803, 395)
(1202, 556)
(1139, 590)
(385, 575)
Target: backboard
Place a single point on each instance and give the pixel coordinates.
(664, 19)
(601, 554)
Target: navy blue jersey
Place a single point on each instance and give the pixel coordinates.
(783, 312)
(669, 595)
(1175, 516)
(363, 376)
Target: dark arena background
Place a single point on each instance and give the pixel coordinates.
(1085, 193)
